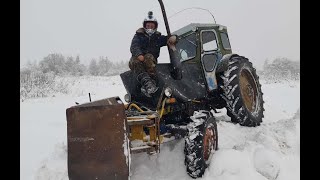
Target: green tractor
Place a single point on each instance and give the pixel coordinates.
(204, 75)
(212, 78)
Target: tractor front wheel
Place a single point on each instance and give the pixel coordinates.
(201, 143)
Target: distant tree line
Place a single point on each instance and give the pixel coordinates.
(61, 65)
(39, 79)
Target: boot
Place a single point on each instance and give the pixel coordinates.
(149, 88)
(148, 85)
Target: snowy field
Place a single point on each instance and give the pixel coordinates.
(270, 151)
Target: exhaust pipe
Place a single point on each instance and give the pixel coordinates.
(176, 72)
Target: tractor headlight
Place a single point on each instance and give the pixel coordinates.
(168, 91)
(127, 98)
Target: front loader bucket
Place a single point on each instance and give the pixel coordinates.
(97, 141)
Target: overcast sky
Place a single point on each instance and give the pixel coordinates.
(258, 29)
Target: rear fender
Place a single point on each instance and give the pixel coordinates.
(223, 63)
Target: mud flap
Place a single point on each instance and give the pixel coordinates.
(97, 141)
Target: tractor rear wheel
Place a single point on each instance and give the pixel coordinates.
(242, 92)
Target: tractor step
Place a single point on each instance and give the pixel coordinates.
(142, 149)
(140, 120)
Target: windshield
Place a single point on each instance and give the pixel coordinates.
(187, 47)
(177, 20)
(180, 19)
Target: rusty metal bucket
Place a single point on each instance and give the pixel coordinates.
(97, 141)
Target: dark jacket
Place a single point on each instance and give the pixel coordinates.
(142, 43)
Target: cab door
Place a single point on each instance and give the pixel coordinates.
(210, 56)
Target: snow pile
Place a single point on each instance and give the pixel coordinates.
(55, 165)
(249, 153)
(270, 151)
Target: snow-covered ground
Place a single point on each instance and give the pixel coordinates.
(270, 151)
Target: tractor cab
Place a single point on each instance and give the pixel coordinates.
(199, 39)
(204, 44)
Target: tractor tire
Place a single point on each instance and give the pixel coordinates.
(242, 92)
(201, 142)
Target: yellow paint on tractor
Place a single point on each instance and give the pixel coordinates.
(150, 121)
(137, 132)
(152, 132)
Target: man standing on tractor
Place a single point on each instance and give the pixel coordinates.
(145, 49)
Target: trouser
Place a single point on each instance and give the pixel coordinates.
(146, 66)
